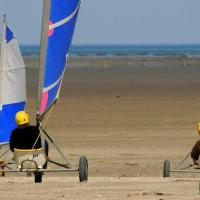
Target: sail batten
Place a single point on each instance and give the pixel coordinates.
(54, 84)
(61, 16)
(65, 20)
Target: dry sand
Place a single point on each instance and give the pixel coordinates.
(127, 118)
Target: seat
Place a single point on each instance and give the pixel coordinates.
(30, 158)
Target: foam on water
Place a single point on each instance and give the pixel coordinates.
(123, 50)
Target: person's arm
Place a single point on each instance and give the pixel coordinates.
(12, 141)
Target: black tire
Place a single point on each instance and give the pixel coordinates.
(166, 169)
(46, 150)
(83, 169)
(38, 177)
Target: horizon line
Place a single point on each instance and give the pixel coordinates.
(124, 44)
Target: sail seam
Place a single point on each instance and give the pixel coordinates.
(64, 21)
(15, 68)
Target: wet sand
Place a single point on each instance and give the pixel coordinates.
(127, 116)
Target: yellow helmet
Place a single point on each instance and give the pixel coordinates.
(198, 127)
(21, 118)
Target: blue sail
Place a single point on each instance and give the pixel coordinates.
(12, 83)
(61, 23)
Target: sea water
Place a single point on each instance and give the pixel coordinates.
(192, 50)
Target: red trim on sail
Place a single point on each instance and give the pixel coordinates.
(44, 101)
(51, 31)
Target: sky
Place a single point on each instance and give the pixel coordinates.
(114, 21)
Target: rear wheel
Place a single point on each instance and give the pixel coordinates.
(83, 169)
(166, 169)
(38, 177)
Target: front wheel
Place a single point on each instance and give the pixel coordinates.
(38, 177)
(83, 169)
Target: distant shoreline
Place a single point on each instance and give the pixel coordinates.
(124, 61)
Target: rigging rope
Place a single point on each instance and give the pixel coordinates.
(48, 115)
(180, 164)
(39, 135)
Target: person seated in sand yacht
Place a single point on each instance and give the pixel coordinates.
(196, 148)
(25, 136)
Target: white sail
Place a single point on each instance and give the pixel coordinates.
(12, 82)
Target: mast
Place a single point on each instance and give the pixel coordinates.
(2, 56)
(43, 53)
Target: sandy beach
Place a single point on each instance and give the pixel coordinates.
(127, 115)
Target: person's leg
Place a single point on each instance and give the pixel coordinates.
(196, 152)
